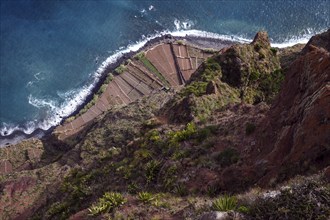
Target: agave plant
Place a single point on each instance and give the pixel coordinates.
(146, 197)
(106, 203)
(225, 203)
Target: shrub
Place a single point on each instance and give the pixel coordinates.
(102, 89)
(306, 200)
(132, 188)
(181, 190)
(196, 88)
(209, 50)
(107, 203)
(185, 134)
(243, 209)
(228, 157)
(274, 50)
(204, 133)
(120, 69)
(261, 55)
(249, 128)
(57, 208)
(270, 84)
(225, 203)
(170, 177)
(108, 79)
(257, 47)
(151, 170)
(254, 75)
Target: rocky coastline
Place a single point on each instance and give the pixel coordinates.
(196, 41)
(243, 134)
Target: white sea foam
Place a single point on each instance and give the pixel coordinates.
(55, 112)
(183, 25)
(151, 7)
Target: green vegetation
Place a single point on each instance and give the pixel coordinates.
(151, 170)
(209, 50)
(108, 202)
(225, 203)
(146, 197)
(199, 81)
(257, 47)
(196, 88)
(177, 136)
(101, 90)
(274, 50)
(249, 128)
(120, 69)
(270, 84)
(306, 200)
(181, 190)
(108, 79)
(141, 57)
(57, 208)
(228, 157)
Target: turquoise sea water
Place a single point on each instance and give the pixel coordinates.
(52, 52)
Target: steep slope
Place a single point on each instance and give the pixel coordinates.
(167, 155)
(295, 134)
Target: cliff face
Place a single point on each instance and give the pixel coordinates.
(234, 125)
(295, 134)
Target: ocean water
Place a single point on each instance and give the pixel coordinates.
(53, 52)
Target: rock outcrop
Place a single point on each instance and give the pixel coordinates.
(295, 135)
(252, 68)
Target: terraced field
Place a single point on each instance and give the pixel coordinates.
(162, 66)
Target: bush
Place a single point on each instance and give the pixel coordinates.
(257, 47)
(270, 84)
(228, 157)
(151, 170)
(306, 200)
(250, 128)
(196, 88)
(274, 50)
(181, 190)
(225, 203)
(185, 134)
(120, 69)
(108, 79)
(107, 203)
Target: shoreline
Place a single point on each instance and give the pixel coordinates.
(202, 42)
